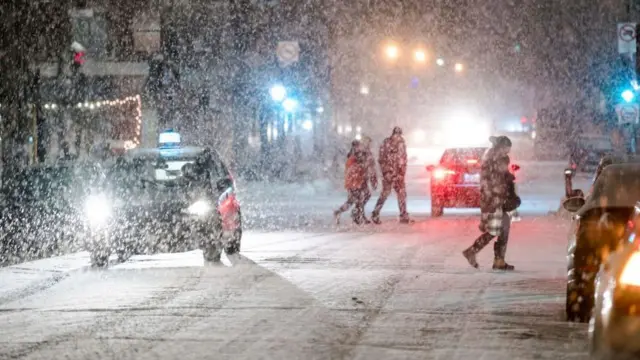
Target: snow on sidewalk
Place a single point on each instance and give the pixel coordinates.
(33, 275)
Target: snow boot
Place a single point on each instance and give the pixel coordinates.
(471, 257)
(375, 218)
(336, 217)
(500, 264)
(406, 220)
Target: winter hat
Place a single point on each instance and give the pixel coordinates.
(500, 141)
(397, 131)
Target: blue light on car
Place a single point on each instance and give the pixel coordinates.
(169, 140)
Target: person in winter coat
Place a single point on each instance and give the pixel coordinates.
(495, 203)
(355, 176)
(371, 173)
(393, 163)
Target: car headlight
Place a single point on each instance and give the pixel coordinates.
(199, 208)
(631, 272)
(97, 208)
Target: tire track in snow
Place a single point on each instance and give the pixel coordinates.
(126, 318)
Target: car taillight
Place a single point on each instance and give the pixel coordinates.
(442, 173)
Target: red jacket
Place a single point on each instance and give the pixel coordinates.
(355, 173)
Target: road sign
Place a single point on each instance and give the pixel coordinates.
(627, 38)
(288, 52)
(627, 113)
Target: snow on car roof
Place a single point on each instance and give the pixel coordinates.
(617, 186)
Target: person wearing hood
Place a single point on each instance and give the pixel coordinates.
(355, 182)
(393, 163)
(497, 199)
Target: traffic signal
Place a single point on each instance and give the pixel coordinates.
(628, 95)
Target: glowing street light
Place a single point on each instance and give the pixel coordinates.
(392, 51)
(289, 105)
(420, 56)
(459, 67)
(440, 62)
(628, 95)
(278, 93)
(364, 90)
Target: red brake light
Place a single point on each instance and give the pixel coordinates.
(442, 173)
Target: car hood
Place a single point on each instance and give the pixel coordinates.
(618, 186)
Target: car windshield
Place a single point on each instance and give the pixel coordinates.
(595, 143)
(462, 156)
(157, 171)
(618, 186)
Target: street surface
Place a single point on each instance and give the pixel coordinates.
(304, 288)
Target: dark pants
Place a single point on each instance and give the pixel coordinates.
(500, 246)
(357, 197)
(396, 183)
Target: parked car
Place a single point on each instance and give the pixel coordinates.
(599, 223)
(614, 329)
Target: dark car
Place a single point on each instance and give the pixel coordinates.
(43, 209)
(587, 151)
(614, 329)
(599, 224)
(455, 181)
(170, 200)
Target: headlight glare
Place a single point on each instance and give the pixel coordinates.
(199, 208)
(631, 272)
(97, 209)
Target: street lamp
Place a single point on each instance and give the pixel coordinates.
(364, 90)
(278, 93)
(440, 62)
(459, 67)
(392, 51)
(289, 105)
(628, 95)
(420, 56)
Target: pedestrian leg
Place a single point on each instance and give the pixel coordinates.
(401, 191)
(387, 186)
(500, 246)
(351, 199)
(366, 195)
(479, 244)
(358, 211)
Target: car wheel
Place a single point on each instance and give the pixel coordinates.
(212, 245)
(99, 259)
(233, 246)
(437, 209)
(212, 252)
(579, 302)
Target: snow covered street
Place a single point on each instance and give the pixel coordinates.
(303, 288)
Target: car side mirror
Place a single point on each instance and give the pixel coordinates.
(224, 184)
(515, 167)
(430, 168)
(573, 204)
(569, 172)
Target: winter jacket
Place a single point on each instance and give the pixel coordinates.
(393, 157)
(493, 192)
(355, 173)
